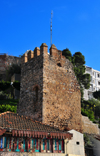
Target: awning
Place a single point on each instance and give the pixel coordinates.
(41, 134)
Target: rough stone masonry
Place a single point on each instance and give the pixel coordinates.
(50, 92)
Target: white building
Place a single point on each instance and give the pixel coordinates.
(94, 84)
(75, 146)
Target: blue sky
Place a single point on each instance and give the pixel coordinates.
(25, 24)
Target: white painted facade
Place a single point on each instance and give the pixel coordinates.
(75, 146)
(94, 84)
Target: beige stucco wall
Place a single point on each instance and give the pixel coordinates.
(35, 154)
(30, 154)
(74, 155)
(74, 149)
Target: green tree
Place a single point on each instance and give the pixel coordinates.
(96, 94)
(13, 69)
(4, 85)
(93, 105)
(66, 52)
(78, 61)
(4, 108)
(16, 85)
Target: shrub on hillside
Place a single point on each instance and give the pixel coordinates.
(88, 112)
(4, 108)
(2, 95)
(4, 85)
(16, 84)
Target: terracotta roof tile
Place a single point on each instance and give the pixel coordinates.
(15, 121)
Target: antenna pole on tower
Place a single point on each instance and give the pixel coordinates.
(51, 27)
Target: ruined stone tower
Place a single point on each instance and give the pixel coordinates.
(49, 91)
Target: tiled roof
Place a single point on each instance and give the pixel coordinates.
(25, 126)
(15, 121)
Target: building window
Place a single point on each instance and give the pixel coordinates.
(98, 75)
(35, 91)
(98, 82)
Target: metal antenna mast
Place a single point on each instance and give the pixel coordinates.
(51, 27)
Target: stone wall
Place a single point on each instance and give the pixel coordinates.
(51, 80)
(61, 92)
(31, 78)
(89, 127)
(5, 62)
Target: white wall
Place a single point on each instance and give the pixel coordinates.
(30, 154)
(94, 83)
(75, 146)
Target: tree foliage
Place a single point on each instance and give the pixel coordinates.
(66, 52)
(4, 85)
(93, 105)
(16, 85)
(2, 95)
(4, 108)
(88, 112)
(78, 61)
(13, 69)
(96, 94)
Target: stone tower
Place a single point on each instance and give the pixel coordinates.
(49, 91)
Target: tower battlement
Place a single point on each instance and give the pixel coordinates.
(49, 91)
(33, 54)
(54, 52)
